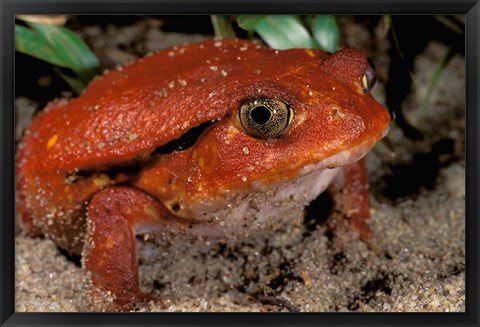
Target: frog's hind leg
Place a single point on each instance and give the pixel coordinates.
(349, 192)
(109, 254)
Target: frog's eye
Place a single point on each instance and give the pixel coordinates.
(265, 118)
(369, 78)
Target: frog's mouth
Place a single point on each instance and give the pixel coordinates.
(344, 157)
(339, 159)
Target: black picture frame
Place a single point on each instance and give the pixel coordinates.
(8, 316)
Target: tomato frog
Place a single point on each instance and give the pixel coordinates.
(209, 139)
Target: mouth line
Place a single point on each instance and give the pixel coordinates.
(344, 157)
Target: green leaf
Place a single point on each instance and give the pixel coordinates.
(222, 27)
(281, 32)
(440, 67)
(60, 47)
(74, 83)
(33, 44)
(248, 22)
(385, 148)
(326, 33)
(70, 49)
(389, 22)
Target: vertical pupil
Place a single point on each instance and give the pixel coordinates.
(260, 115)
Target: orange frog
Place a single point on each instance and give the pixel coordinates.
(209, 139)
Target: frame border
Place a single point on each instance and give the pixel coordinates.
(8, 9)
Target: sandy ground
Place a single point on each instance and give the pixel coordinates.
(414, 262)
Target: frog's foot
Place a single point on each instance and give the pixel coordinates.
(128, 300)
(349, 192)
(109, 254)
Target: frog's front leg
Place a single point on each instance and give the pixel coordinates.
(109, 254)
(349, 192)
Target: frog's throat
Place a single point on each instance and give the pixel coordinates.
(266, 208)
